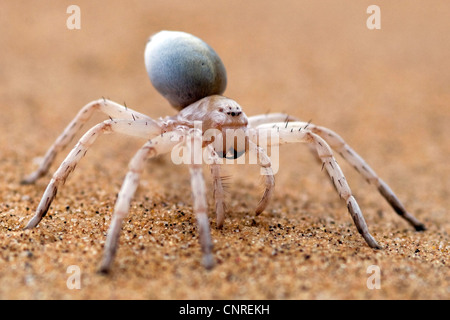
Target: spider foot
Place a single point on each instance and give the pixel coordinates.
(104, 270)
(420, 227)
(208, 261)
(33, 222)
(220, 214)
(371, 241)
(105, 266)
(30, 179)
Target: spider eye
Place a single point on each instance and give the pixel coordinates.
(234, 113)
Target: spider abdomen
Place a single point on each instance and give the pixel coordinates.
(183, 68)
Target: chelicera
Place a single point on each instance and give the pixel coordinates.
(191, 76)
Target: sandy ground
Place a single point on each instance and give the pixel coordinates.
(385, 91)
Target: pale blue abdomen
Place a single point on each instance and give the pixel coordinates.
(183, 68)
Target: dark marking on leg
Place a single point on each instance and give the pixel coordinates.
(349, 151)
(355, 217)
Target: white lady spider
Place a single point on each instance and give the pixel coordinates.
(191, 76)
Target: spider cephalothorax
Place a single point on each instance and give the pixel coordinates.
(191, 76)
(222, 122)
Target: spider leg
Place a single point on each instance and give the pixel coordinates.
(266, 170)
(358, 163)
(110, 108)
(194, 144)
(219, 193)
(138, 128)
(159, 145)
(260, 119)
(286, 135)
(338, 144)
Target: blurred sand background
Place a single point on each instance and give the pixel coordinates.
(385, 91)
